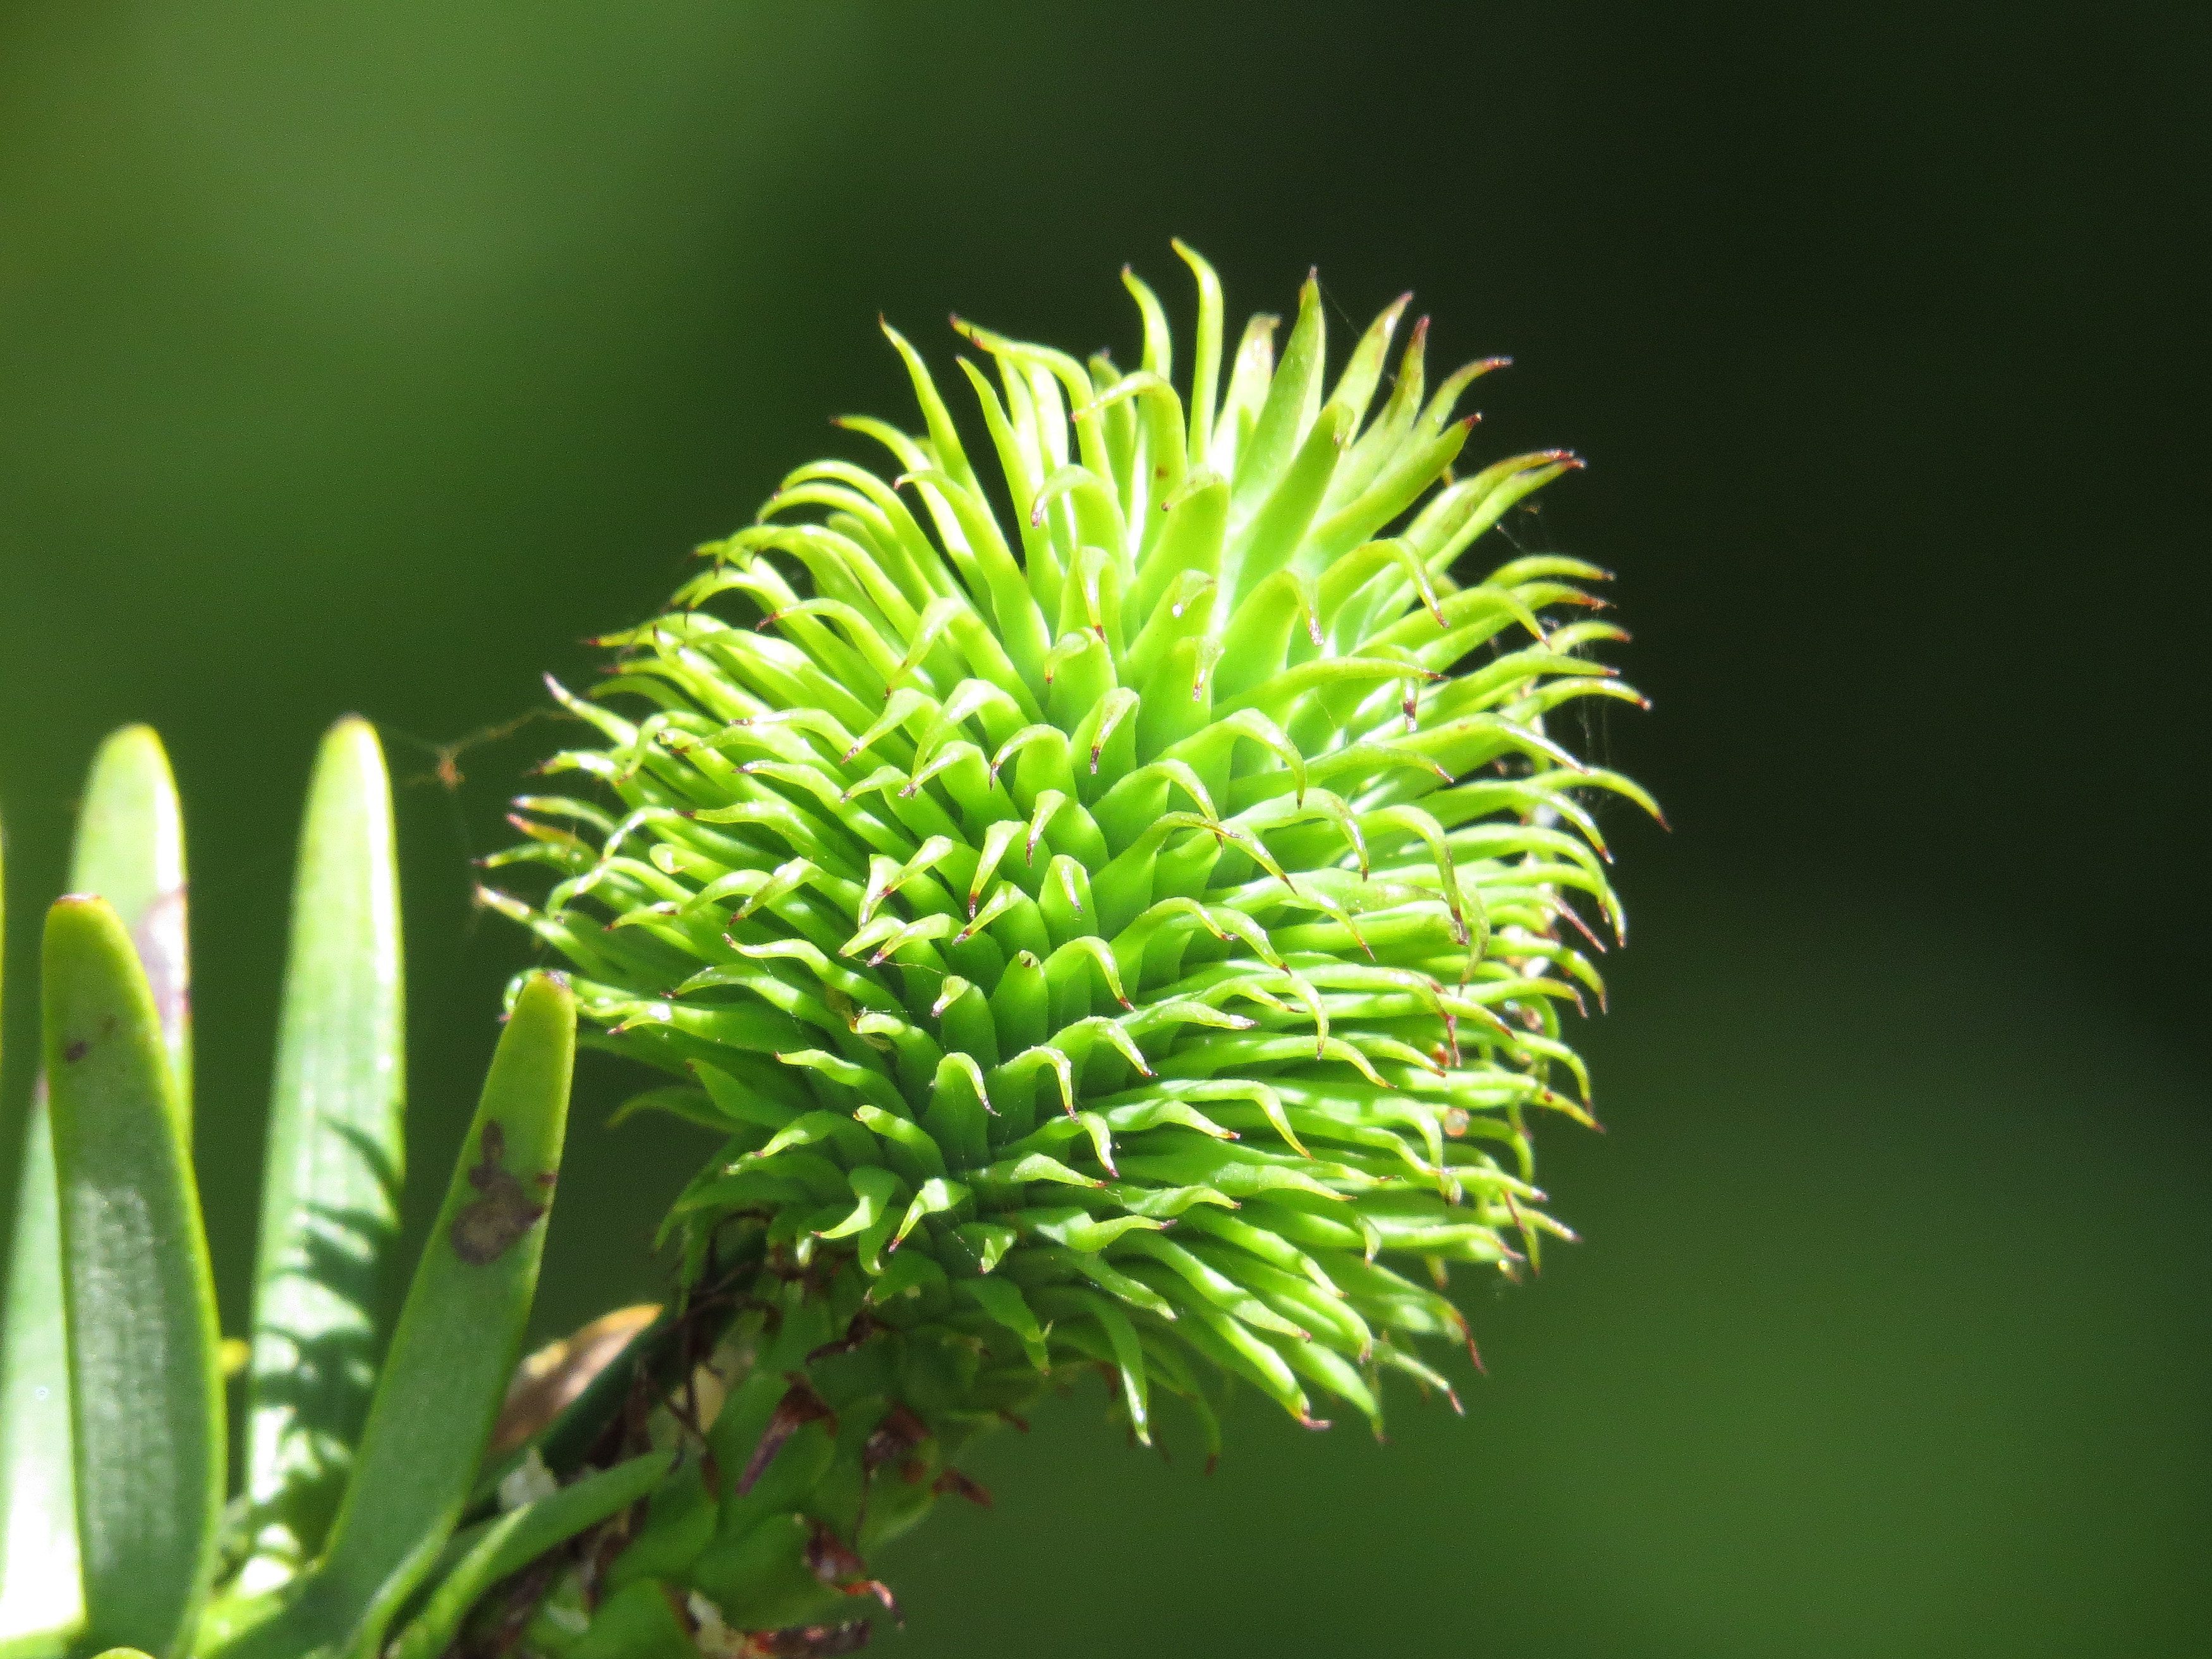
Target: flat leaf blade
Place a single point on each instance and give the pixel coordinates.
(330, 1193)
(146, 1389)
(130, 849)
(460, 1333)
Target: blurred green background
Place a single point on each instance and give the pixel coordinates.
(368, 357)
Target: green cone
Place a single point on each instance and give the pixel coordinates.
(1129, 933)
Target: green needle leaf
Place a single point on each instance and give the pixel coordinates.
(458, 1335)
(145, 1382)
(329, 1198)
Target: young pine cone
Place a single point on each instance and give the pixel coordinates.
(1125, 932)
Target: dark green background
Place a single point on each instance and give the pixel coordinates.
(367, 357)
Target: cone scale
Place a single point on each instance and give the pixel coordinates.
(1116, 901)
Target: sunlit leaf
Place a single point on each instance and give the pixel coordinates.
(330, 1191)
(145, 1379)
(460, 1333)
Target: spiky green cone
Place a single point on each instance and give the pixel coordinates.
(1130, 934)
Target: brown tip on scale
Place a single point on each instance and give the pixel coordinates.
(952, 1482)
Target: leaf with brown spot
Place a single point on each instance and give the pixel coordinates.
(486, 1230)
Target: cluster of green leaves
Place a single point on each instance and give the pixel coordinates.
(113, 1421)
(1113, 911)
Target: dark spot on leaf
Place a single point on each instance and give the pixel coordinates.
(484, 1230)
(77, 1050)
